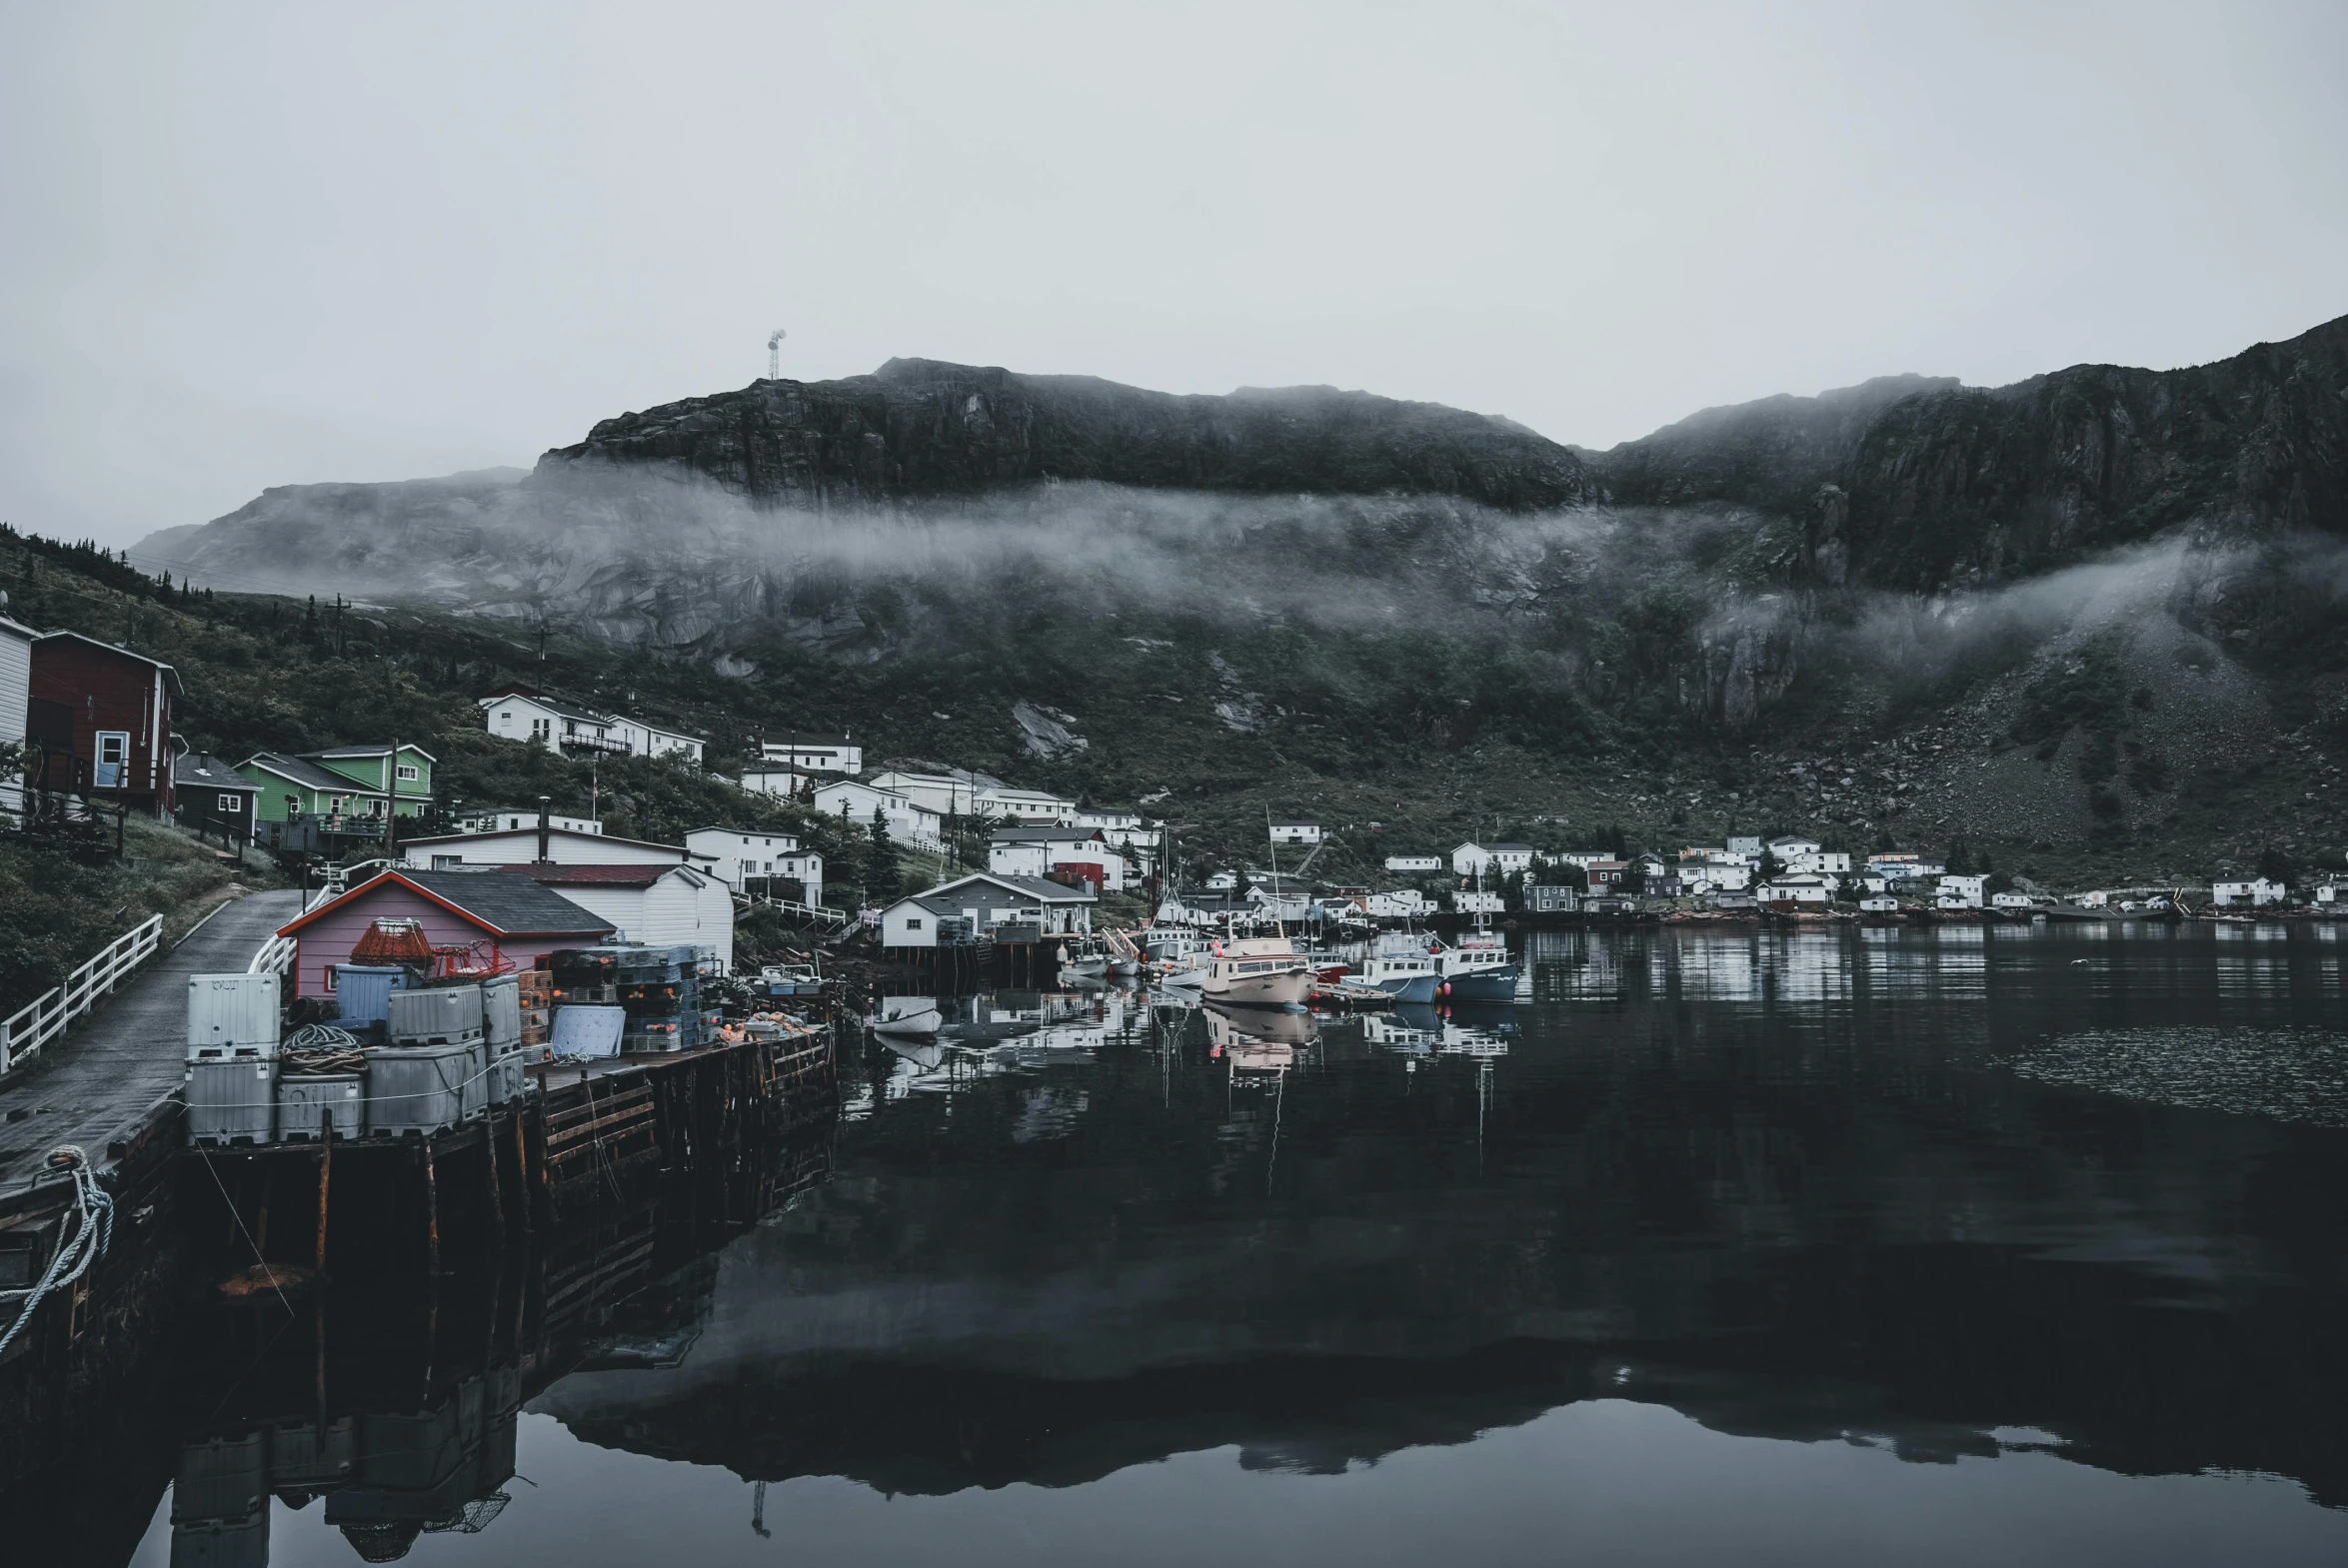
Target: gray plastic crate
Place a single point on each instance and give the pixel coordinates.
(231, 1016)
(232, 1101)
(416, 1090)
(506, 1077)
(442, 1016)
(475, 1099)
(501, 1012)
(306, 1100)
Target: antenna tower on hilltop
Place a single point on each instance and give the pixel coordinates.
(775, 354)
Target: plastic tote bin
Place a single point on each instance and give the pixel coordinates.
(588, 1032)
(501, 1012)
(231, 1016)
(506, 1077)
(363, 990)
(232, 1101)
(416, 1090)
(442, 1016)
(475, 1100)
(306, 1100)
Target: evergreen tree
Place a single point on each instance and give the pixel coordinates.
(883, 877)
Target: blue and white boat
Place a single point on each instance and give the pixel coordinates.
(1479, 969)
(1404, 969)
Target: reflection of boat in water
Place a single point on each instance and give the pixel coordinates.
(1258, 971)
(1252, 1056)
(914, 1016)
(1284, 1029)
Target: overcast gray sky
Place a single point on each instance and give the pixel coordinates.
(244, 246)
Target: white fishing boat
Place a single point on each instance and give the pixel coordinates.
(1257, 972)
(1403, 968)
(907, 1018)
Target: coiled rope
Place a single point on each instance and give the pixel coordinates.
(93, 1232)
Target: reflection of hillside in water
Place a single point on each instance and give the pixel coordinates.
(1778, 1183)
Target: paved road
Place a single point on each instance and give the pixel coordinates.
(117, 1061)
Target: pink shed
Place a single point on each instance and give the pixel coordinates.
(452, 910)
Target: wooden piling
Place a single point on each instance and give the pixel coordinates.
(496, 1197)
(431, 1213)
(325, 1179)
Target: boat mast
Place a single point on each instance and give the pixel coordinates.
(1272, 847)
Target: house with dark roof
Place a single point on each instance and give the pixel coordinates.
(984, 901)
(342, 780)
(662, 905)
(494, 913)
(212, 797)
(1492, 859)
(1295, 830)
(522, 713)
(1083, 852)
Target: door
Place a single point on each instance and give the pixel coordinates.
(113, 761)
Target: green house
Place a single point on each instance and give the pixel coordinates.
(349, 779)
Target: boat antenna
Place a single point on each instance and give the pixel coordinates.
(1272, 847)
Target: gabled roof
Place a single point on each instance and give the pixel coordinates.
(677, 850)
(592, 875)
(114, 648)
(203, 770)
(301, 771)
(369, 750)
(1028, 886)
(553, 705)
(500, 902)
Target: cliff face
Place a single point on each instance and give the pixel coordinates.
(1923, 485)
(919, 428)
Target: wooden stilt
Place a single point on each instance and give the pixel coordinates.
(431, 1213)
(496, 1197)
(522, 1169)
(325, 1179)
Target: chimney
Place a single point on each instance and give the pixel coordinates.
(545, 831)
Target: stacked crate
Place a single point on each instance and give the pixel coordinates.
(231, 1087)
(538, 1011)
(660, 988)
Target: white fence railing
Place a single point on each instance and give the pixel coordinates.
(275, 957)
(23, 1034)
(822, 912)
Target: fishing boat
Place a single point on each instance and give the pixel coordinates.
(1403, 968)
(907, 1018)
(1479, 968)
(1255, 972)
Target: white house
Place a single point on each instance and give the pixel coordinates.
(1108, 821)
(1034, 851)
(1961, 892)
(2011, 901)
(2258, 890)
(738, 855)
(1879, 903)
(15, 686)
(649, 903)
(1401, 904)
(1585, 859)
(522, 819)
(524, 714)
(563, 846)
(784, 784)
(908, 822)
(1716, 879)
(1744, 848)
(2329, 892)
(1478, 902)
(1414, 864)
(815, 754)
(1295, 830)
(985, 901)
(1820, 862)
(1222, 881)
(1035, 807)
(953, 793)
(1501, 859)
(1797, 889)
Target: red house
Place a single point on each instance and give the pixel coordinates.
(99, 721)
(497, 913)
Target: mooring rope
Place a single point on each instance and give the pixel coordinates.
(93, 1233)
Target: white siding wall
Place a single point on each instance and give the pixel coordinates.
(16, 679)
(512, 849)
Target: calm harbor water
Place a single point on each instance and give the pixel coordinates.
(1922, 1246)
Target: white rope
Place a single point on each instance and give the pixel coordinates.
(93, 1232)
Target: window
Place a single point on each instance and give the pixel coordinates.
(232, 805)
(912, 924)
(504, 718)
(407, 772)
(442, 862)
